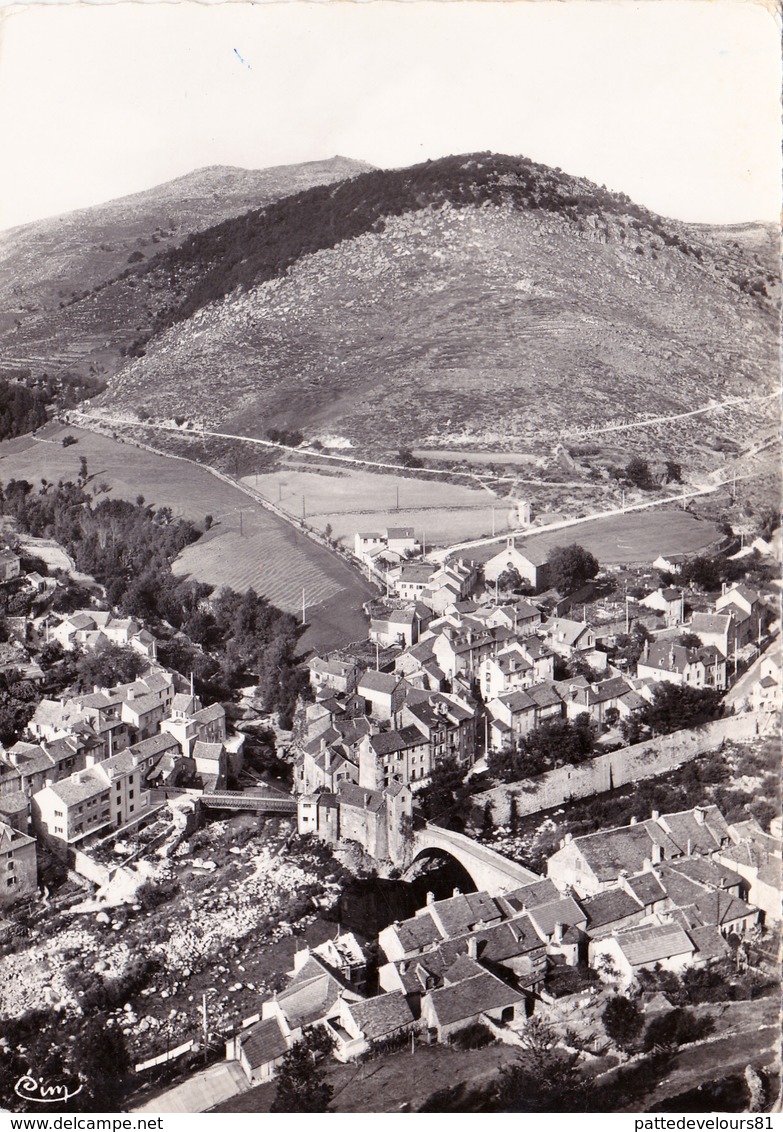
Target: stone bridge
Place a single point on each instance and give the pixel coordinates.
(489, 871)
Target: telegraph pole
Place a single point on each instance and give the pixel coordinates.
(304, 608)
(204, 1025)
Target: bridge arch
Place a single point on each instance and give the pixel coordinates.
(489, 871)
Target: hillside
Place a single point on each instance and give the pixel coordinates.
(474, 299)
(47, 264)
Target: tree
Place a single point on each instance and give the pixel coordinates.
(675, 707)
(690, 640)
(109, 664)
(82, 469)
(704, 572)
(622, 1021)
(570, 567)
(300, 1083)
(673, 472)
(637, 472)
(542, 1080)
(69, 440)
(511, 579)
(445, 798)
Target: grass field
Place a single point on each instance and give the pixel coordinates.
(268, 555)
(361, 500)
(618, 539)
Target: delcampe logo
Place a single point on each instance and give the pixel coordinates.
(39, 1091)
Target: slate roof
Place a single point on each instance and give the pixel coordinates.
(710, 623)
(654, 943)
(626, 848)
(417, 933)
(386, 742)
(471, 997)
(377, 1017)
(459, 913)
(79, 789)
(360, 797)
(378, 682)
(609, 907)
(310, 995)
(211, 751)
(210, 714)
(264, 1043)
(646, 888)
(529, 896)
(710, 944)
(704, 837)
(563, 911)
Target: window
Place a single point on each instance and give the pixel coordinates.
(11, 867)
(11, 882)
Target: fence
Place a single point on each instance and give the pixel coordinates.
(618, 768)
(162, 1058)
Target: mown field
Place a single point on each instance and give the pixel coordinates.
(351, 500)
(266, 553)
(618, 539)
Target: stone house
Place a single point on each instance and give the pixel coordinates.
(18, 864)
(531, 564)
(355, 1026)
(666, 946)
(468, 995)
(678, 664)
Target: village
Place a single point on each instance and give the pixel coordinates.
(486, 694)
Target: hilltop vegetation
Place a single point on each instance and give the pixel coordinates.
(263, 243)
(476, 299)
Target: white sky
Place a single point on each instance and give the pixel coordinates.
(675, 103)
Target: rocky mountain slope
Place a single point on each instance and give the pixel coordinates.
(475, 298)
(49, 267)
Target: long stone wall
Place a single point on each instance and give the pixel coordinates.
(618, 768)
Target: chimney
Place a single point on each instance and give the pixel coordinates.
(689, 850)
(13, 757)
(699, 814)
(131, 695)
(632, 821)
(89, 761)
(472, 948)
(655, 814)
(430, 897)
(559, 930)
(456, 892)
(404, 967)
(657, 854)
(569, 837)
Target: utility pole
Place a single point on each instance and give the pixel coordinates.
(304, 608)
(493, 522)
(204, 1025)
(241, 530)
(377, 657)
(398, 499)
(303, 508)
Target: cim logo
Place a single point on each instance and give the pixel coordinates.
(39, 1092)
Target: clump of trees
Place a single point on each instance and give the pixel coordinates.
(226, 638)
(446, 797)
(109, 664)
(553, 744)
(290, 438)
(569, 567)
(301, 1083)
(623, 1021)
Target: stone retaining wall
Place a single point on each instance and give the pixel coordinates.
(618, 768)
